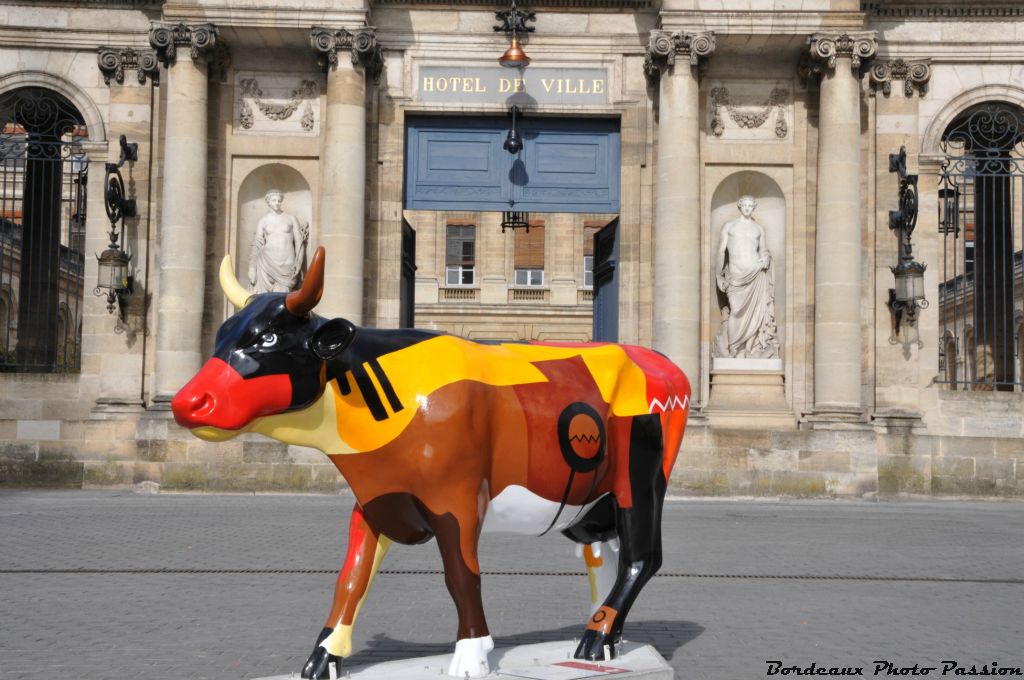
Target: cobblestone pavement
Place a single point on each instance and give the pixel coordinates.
(103, 585)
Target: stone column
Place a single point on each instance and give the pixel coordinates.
(182, 241)
(838, 253)
(677, 211)
(343, 165)
(896, 87)
(119, 353)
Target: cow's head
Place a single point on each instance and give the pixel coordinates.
(270, 357)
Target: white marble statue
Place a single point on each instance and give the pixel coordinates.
(747, 278)
(278, 249)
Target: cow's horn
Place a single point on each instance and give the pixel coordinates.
(302, 301)
(233, 290)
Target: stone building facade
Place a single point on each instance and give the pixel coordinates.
(377, 121)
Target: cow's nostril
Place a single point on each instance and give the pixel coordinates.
(203, 402)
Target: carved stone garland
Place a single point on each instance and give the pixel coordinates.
(306, 91)
(114, 61)
(665, 45)
(167, 39)
(366, 52)
(914, 74)
(749, 119)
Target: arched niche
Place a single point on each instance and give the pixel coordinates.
(771, 214)
(252, 205)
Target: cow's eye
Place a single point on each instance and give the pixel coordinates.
(268, 339)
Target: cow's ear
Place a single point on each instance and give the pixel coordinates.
(332, 338)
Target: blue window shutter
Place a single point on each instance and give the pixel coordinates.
(458, 163)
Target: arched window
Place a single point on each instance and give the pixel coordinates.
(980, 223)
(42, 225)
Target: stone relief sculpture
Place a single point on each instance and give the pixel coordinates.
(278, 248)
(744, 272)
(303, 95)
(749, 116)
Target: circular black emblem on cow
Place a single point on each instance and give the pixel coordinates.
(581, 437)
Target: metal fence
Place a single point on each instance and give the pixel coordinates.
(43, 178)
(981, 214)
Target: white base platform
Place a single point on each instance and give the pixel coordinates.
(543, 661)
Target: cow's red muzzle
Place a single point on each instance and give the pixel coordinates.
(219, 397)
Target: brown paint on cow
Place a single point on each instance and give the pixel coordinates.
(442, 460)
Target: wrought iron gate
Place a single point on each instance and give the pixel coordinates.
(981, 213)
(43, 177)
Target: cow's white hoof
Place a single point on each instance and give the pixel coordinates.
(470, 658)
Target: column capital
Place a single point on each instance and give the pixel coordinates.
(113, 61)
(366, 52)
(914, 74)
(167, 38)
(664, 46)
(826, 48)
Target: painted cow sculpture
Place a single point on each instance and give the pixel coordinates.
(444, 437)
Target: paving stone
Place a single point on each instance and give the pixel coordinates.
(743, 582)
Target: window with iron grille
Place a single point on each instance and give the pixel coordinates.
(529, 255)
(980, 224)
(460, 255)
(43, 178)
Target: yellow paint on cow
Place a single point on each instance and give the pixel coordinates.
(593, 563)
(339, 642)
(316, 426)
(421, 369)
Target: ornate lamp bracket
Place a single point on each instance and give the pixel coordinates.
(513, 21)
(366, 51)
(907, 298)
(115, 279)
(167, 38)
(664, 46)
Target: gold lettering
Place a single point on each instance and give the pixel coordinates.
(548, 84)
(583, 87)
(504, 85)
(520, 85)
(598, 86)
(467, 84)
(569, 88)
(479, 87)
(428, 84)
(442, 84)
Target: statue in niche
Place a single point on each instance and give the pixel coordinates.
(744, 272)
(278, 249)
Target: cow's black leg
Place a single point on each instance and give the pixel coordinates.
(639, 531)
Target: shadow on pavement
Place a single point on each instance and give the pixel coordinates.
(666, 637)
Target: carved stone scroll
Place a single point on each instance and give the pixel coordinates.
(826, 48)
(914, 74)
(366, 52)
(166, 39)
(114, 61)
(664, 46)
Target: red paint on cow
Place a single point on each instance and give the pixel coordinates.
(218, 396)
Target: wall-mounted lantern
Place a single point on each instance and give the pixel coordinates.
(513, 22)
(114, 278)
(512, 219)
(907, 298)
(513, 140)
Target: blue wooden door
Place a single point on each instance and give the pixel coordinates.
(606, 283)
(458, 163)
